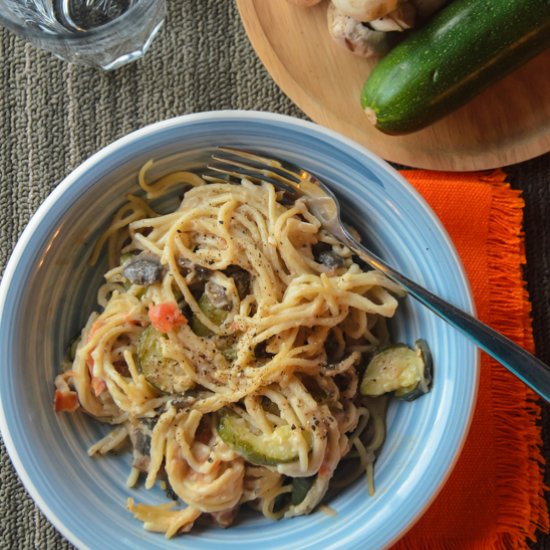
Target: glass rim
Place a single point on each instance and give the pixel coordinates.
(100, 32)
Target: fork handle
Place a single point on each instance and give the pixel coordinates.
(524, 365)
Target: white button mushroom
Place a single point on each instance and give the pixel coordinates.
(398, 20)
(354, 36)
(366, 10)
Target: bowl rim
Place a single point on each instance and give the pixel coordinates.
(72, 179)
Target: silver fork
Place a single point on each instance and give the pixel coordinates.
(323, 204)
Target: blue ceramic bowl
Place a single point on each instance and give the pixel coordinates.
(48, 291)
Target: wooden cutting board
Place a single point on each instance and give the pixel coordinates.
(506, 124)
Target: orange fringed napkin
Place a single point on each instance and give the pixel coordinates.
(494, 496)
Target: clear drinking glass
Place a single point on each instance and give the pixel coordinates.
(103, 33)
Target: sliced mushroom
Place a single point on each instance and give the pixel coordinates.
(366, 10)
(187, 400)
(428, 7)
(193, 273)
(217, 295)
(331, 259)
(145, 269)
(401, 19)
(241, 278)
(354, 36)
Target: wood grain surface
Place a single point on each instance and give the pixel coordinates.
(508, 123)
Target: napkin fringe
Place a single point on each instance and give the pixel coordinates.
(515, 437)
(522, 510)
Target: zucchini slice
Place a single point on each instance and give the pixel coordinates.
(300, 488)
(215, 314)
(230, 353)
(266, 449)
(399, 369)
(162, 372)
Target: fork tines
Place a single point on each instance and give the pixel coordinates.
(234, 163)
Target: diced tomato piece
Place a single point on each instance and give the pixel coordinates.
(66, 401)
(166, 316)
(98, 385)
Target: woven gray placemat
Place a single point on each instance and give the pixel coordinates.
(53, 116)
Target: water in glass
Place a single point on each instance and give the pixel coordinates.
(105, 33)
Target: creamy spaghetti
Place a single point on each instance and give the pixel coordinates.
(227, 353)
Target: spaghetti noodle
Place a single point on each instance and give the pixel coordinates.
(228, 351)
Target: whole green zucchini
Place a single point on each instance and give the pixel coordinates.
(443, 65)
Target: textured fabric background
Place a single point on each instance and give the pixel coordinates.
(53, 116)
